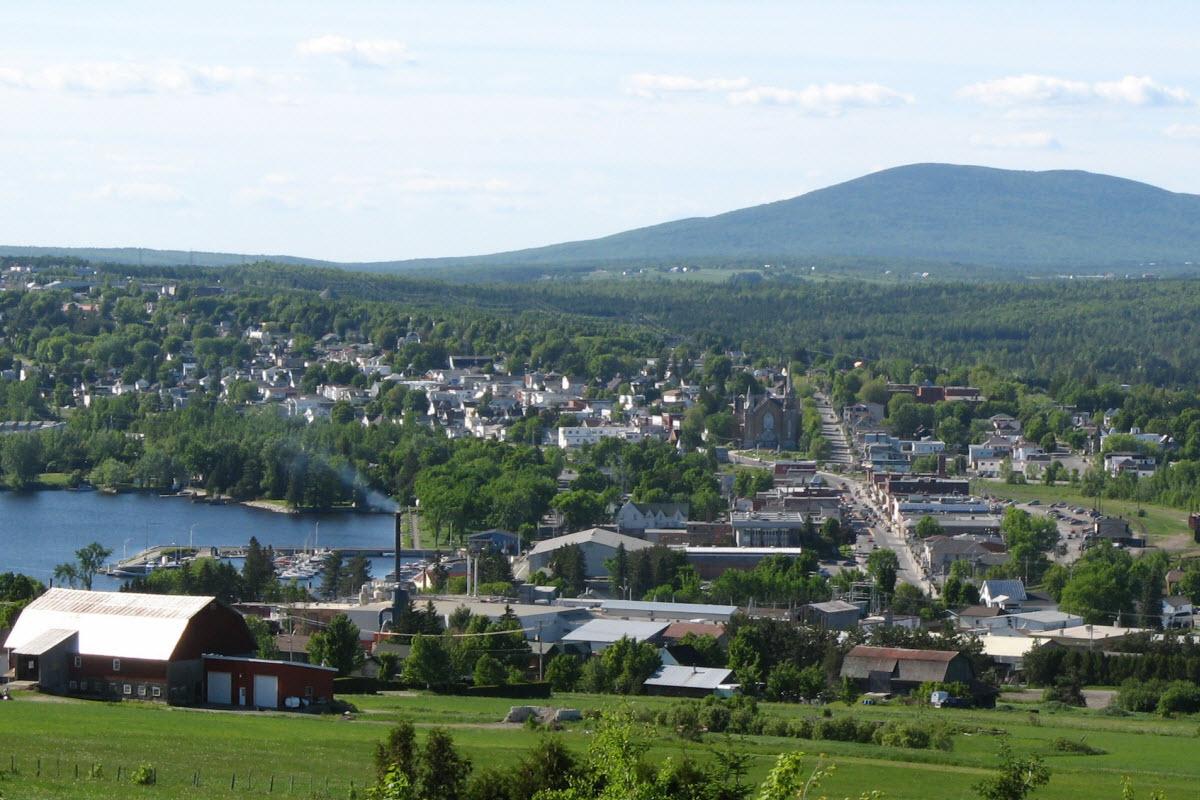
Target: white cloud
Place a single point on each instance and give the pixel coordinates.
(1029, 140)
(357, 52)
(350, 192)
(1182, 131)
(1131, 90)
(829, 98)
(125, 78)
(647, 84)
(150, 193)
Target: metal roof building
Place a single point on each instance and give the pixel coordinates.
(600, 633)
(686, 681)
(121, 644)
(898, 670)
(642, 609)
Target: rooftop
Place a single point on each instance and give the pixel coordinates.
(689, 677)
(612, 630)
(676, 610)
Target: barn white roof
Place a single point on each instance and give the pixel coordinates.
(116, 624)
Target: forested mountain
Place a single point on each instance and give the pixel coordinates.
(925, 215)
(921, 213)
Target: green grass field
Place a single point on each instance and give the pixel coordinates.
(1158, 521)
(201, 754)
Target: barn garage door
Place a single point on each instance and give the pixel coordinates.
(266, 691)
(220, 687)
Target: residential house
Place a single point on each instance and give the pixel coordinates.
(635, 518)
(1004, 594)
(1177, 612)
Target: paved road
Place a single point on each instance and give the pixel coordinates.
(831, 430)
(880, 533)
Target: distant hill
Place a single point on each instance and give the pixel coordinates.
(930, 213)
(921, 213)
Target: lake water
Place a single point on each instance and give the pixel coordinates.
(39, 530)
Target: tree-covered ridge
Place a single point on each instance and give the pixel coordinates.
(943, 215)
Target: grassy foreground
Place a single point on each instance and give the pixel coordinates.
(203, 754)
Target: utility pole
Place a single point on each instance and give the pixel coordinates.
(541, 652)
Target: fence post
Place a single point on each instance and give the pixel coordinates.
(76, 770)
(292, 785)
(232, 781)
(118, 773)
(271, 787)
(39, 767)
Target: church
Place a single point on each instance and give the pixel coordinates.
(768, 422)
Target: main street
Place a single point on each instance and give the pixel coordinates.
(880, 531)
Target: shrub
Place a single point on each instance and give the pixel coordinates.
(1064, 745)
(1066, 690)
(144, 775)
(1180, 697)
(776, 726)
(902, 734)
(715, 718)
(801, 729)
(1136, 695)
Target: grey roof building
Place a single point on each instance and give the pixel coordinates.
(677, 681)
(598, 546)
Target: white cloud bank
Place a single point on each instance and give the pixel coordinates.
(1029, 140)
(826, 99)
(1132, 90)
(126, 78)
(376, 53)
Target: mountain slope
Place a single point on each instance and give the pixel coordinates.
(922, 212)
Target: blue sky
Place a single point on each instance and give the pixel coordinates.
(372, 131)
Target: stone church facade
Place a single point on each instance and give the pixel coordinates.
(769, 423)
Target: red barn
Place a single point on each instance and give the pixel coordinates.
(115, 645)
(258, 683)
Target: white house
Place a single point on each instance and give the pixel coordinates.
(1176, 612)
(1002, 594)
(577, 436)
(637, 517)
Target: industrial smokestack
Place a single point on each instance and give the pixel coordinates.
(400, 596)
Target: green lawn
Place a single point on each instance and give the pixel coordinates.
(299, 752)
(1159, 521)
(53, 480)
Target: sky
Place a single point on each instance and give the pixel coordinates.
(363, 131)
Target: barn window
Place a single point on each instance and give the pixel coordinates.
(74, 685)
(141, 691)
(32, 664)
(79, 661)
(308, 692)
(128, 689)
(156, 691)
(116, 665)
